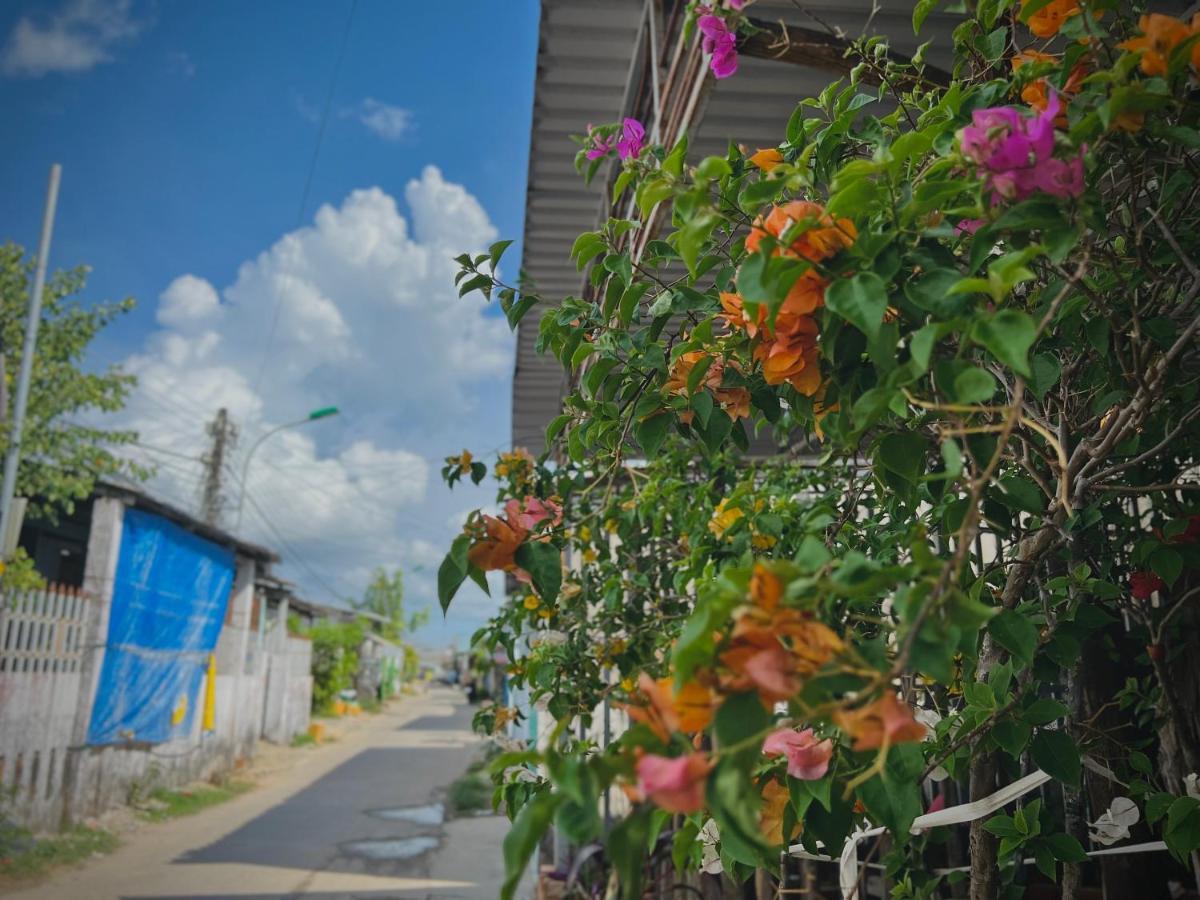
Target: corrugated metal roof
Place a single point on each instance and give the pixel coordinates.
(585, 74)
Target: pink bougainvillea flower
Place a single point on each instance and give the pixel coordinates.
(937, 803)
(1142, 585)
(633, 139)
(529, 513)
(720, 43)
(674, 784)
(969, 226)
(807, 758)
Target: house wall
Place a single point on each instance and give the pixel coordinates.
(41, 641)
(52, 647)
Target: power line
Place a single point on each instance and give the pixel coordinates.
(312, 168)
(291, 551)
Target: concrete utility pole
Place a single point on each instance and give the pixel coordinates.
(224, 436)
(13, 455)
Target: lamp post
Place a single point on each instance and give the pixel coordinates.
(323, 413)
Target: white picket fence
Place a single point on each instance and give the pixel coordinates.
(41, 651)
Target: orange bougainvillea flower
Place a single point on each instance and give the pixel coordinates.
(694, 704)
(772, 651)
(1161, 34)
(735, 401)
(822, 239)
(658, 710)
(1037, 92)
(735, 314)
(884, 722)
(1047, 21)
(665, 712)
(495, 551)
(1130, 120)
(766, 588)
(792, 356)
(757, 661)
(770, 821)
(767, 159)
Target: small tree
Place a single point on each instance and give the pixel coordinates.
(384, 597)
(61, 457)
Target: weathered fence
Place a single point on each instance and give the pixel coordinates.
(41, 650)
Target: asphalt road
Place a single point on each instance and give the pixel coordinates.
(361, 818)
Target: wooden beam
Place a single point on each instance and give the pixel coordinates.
(823, 51)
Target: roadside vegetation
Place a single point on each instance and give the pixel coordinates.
(25, 857)
(166, 804)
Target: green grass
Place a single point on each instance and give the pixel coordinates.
(25, 858)
(304, 740)
(472, 791)
(171, 804)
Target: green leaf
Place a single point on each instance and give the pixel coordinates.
(651, 432)
(739, 717)
(931, 292)
(1022, 494)
(861, 300)
(630, 300)
(894, 796)
(496, 251)
(1167, 564)
(543, 561)
(1008, 335)
(1043, 711)
(650, 193)
(1016, 634)
(1056, 754)
(713, 167)
(453, 571)
(524, 836)
(902, 453)
(1065, 848)
(1182, 831)
(973, 385)
(921, 11)
(1012, 736)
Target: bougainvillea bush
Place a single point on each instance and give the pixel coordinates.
(967, 316)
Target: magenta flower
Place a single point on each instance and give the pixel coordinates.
(600, 146)
(808, 758)
(1016, 153)
(1061, 177)
(721, 43)
(633, 139)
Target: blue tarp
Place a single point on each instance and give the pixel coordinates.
(168, 605)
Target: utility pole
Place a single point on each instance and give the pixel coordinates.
(224, 436)
(13, 456)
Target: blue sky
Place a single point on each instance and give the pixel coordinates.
(186, 133)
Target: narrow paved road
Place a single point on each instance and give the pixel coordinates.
(361, 818)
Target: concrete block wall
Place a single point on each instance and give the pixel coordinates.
(49, 775)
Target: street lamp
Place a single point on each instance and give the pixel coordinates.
(323, 413)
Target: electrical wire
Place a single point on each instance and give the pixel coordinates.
(312, 168)
(296, 557)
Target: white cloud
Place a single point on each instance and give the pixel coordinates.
(388, 122)
(366, 317)
(81, 35)
(187, 303)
